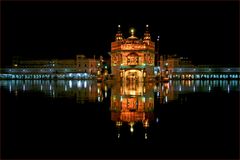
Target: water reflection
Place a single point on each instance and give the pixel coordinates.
(132, 103)
(86, 90)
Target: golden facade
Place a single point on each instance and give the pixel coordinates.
(132, 59)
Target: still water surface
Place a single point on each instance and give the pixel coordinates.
(86, 119)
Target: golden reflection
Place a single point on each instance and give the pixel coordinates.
(132, 103)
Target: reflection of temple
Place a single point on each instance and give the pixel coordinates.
(132, 103)
(132, 59)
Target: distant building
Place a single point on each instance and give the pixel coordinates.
(132, 59)
(174, 61)
(86, 65)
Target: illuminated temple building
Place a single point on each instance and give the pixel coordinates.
(132, 58)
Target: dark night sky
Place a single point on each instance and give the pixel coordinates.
(207, 32)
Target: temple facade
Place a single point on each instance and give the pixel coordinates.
(132, 59)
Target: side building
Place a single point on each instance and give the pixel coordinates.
(79, 68)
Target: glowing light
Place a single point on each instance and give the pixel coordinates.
(118, 135)
(118, 123)
(132, 31)
(119, 26)
(70, 84)
(166, 99)
(143, 99)
(146, 124)
(99, 99)
(157, 120)
(98, 90)
(79, 84)
(180, 88)
(146, 136)
(105, 94)
(131, 129)
(147, 25)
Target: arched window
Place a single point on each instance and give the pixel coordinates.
(132, 59)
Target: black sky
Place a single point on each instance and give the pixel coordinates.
(207, 32)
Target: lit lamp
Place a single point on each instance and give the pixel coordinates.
(132, 32)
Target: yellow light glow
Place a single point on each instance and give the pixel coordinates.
(131, 130)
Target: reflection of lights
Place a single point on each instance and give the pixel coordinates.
(121, 98)
(99, 99)
(158, 94)
(41, 87)
(65, 88)
(105, 94)
(98, 90)
(118, 135)
(118, 123)
(10, 88)
(50, 87)
(194, 88)
(131, 127)
(166, 99)
(24, 87)
(70, 84)
(85, 84)
(16, 93)
(228, 88)
(146, 124)
(209, 88)
(79, 84)
(146, 136)
(180, 88)
(157, 120)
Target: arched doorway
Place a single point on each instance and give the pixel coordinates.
(133, 75)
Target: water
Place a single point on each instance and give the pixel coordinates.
(86, 119)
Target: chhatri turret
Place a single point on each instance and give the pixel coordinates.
(147, 36)
(119, 36)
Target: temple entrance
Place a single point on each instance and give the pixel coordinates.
(133, 76)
